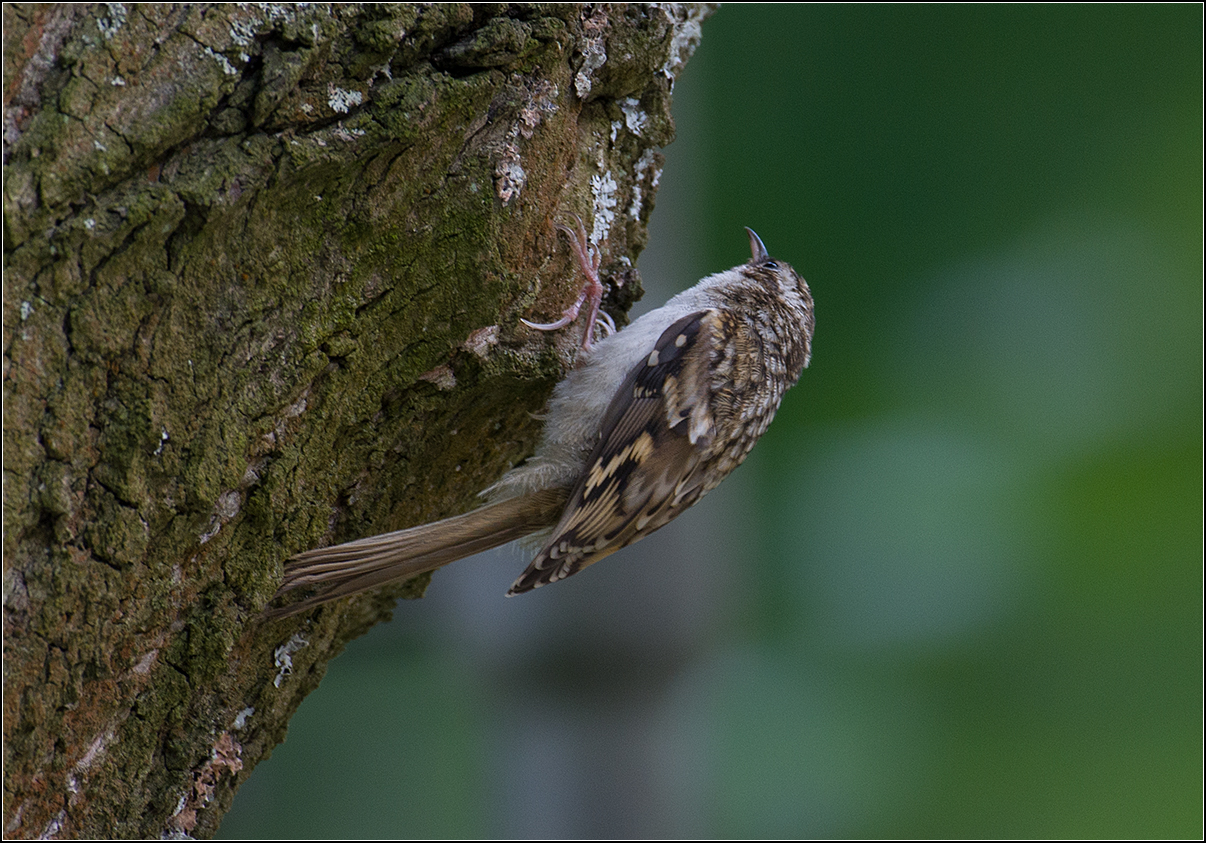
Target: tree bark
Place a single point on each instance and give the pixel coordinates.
(264, 270)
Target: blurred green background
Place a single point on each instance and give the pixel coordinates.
(957, 589)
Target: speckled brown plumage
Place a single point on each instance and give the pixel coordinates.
(650, 419)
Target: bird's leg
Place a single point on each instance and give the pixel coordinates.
(592, 289)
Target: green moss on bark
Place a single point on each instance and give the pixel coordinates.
(264, 272)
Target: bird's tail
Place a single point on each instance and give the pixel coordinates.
(366, 563)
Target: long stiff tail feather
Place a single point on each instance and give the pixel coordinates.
(359, 565)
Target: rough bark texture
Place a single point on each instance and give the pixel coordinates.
(264, 269)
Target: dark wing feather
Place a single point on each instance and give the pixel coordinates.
(644, 471)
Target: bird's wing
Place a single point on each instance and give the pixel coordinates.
(644, 471)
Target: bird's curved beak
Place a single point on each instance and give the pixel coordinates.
(757, 250)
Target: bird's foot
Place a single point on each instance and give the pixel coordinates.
(592, 290)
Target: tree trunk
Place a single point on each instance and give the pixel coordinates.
(264, 270)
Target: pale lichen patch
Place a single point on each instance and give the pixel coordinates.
(646, 167)
(635, 117)
(282, 657)
(341, 100)
(594, 51)
(603, 188)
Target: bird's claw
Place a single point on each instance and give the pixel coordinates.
(592, 291)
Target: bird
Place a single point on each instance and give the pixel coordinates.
(649, 420)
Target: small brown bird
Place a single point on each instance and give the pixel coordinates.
(650, 419)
